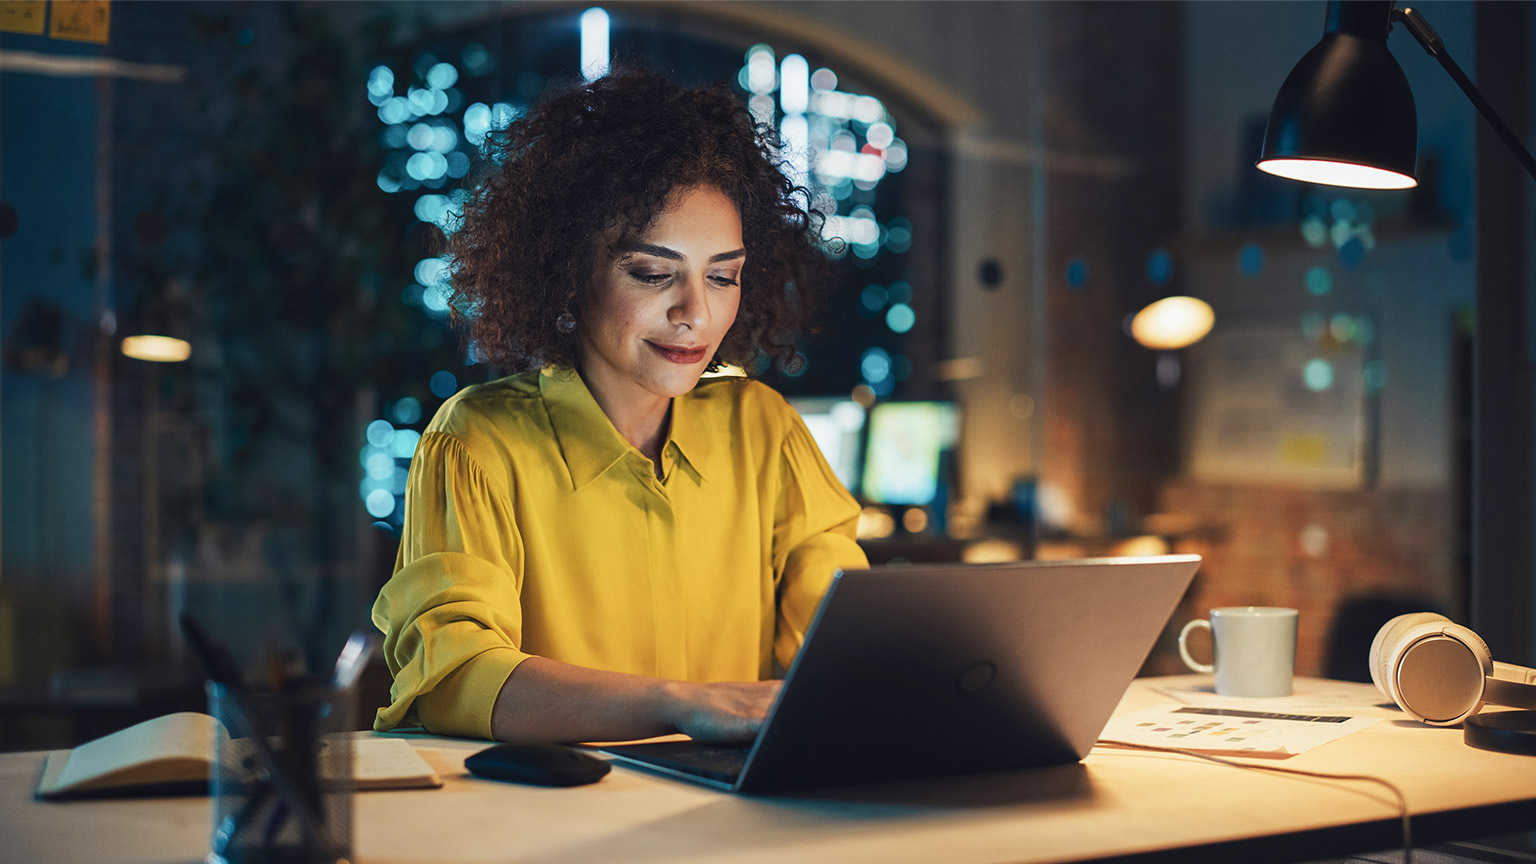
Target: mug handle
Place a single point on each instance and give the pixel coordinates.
(1189, 661)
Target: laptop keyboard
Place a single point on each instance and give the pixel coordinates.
(713, 761)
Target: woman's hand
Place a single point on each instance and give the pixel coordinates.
(727, 713)
(545, 700)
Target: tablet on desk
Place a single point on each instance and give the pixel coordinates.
(919, 671)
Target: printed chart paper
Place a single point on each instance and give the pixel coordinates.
(1230, 731)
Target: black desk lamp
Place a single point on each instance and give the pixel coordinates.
(1345, 117)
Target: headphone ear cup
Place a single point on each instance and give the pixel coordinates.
(1437, 672)
(1385, 645)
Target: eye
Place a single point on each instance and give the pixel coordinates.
(650, 277)
(723, 281)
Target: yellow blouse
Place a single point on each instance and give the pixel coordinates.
(533, 528)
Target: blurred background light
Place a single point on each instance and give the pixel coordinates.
(1172, 323)
(402, 445)
(1318, 374)
(1318, 281)
(379, 432)
(900, 318)
(794, 84)
(380, 503)
(797, 148)
(157, 349)
(875, 365)
(406, 411)
(442, 76)
(762, 77)
(443, 384)
(396, 109)
(1250, 259)
(477, 60)
(1159, 267)
(477, 122)
(594, 43)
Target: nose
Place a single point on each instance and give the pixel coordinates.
(690, 308)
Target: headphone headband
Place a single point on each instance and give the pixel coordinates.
(1512, 686)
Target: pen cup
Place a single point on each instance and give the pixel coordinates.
(281, 780)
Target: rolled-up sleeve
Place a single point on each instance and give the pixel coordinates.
(450, 614)
(814, 535)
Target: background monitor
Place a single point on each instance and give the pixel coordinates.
(837, 424)
(901, 463)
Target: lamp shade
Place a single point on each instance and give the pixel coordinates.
(1345, 114)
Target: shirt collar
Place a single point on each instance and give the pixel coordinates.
(691, 434)
(588, 440)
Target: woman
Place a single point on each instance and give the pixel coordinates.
(601, 547)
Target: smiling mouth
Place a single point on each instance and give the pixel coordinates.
(680, 354)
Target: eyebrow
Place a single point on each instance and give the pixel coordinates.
(674, 255)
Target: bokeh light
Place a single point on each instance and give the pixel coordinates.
(1159, 267)
(1077, 273)
(442, 76)
(1318, 281)
(1250, 259)
(380, 503)
(875, 366)
(379, 432)
(403, 444)
(405, 411)
(443, 384)
(1172, 323)
(1318, 374)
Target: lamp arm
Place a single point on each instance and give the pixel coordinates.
(1436, 48)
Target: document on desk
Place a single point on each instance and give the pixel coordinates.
(1311, 696)
(1231, 731)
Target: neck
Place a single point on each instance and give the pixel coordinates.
(640, 418)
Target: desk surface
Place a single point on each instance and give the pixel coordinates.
(1116, 803)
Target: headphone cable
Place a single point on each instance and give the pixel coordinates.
(1402, 800)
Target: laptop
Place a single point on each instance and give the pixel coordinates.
(913, 671)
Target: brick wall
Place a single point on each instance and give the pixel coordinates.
(1314, 550)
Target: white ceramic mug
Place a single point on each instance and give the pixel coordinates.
(1254, 649)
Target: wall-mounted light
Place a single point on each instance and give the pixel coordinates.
(1173, 323)
(157, 349)
(160, 326)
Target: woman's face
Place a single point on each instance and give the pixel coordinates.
(659, 306)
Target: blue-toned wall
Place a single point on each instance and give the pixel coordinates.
(48, 174)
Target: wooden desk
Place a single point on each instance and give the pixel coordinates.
(1116, 803)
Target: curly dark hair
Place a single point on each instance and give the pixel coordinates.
(601, 160)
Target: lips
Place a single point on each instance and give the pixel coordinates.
(680, 354)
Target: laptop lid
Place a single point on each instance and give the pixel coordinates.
(925, 670)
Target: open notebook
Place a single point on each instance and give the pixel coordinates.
(174, 754)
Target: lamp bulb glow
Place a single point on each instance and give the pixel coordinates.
(1330, 173)
(1172, 323)
(157, 349)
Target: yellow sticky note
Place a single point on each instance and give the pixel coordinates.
(23, 16)
(80, 20)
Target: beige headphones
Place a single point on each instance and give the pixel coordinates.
(1441, 673)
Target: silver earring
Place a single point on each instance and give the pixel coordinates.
(566, 322)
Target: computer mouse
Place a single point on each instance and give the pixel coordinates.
(538, 764)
